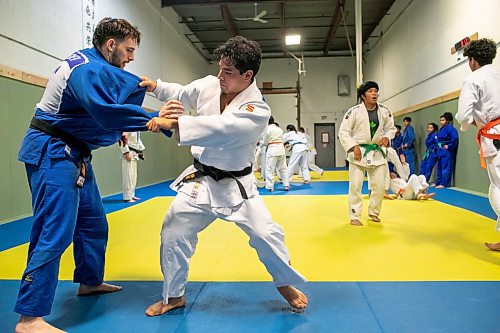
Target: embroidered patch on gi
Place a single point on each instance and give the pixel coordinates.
(28, 278)
(250, 108)
(353, 211)
(75, 59)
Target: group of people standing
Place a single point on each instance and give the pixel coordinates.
(90, 101)
(368, 128)
(271, 154)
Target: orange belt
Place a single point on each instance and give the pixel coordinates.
(400, 192)
(484, 132)
(274, 142)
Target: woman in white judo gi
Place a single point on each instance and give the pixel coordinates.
(298, 143)
(479, 105)
(231, 118)
(365, 134)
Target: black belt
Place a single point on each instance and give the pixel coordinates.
(140, 154)
(55, 132)
(218, 174)
(52, 130)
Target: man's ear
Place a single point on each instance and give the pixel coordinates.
(248, 75)
(110, 44)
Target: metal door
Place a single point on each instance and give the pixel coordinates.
(324, 142)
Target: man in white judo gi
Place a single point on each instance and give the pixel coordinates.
(275, 156)
(231, 118)
(131, 154)
(311, 153)
(479, 105)
(365, 134)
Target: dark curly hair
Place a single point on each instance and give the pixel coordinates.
(243, 53)
(115, 28)
(482, 50)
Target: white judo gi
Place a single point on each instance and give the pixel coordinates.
(129, 168)
(298, 154)
(311, 155)
(479, 103)
(355, 130)
(226, 141)
(275, 156)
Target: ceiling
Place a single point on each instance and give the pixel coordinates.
(326, 26)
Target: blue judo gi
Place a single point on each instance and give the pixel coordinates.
(94, 102)
(396, 143)
(447, 135)
(409, 151)
(430, 156)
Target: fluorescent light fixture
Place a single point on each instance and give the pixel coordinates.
(292, 39)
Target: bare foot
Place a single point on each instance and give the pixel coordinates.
(294, 297)
(104, 288)
(36, 325)
(440, 186)
(158, 308)
(425, 196)
(286, 188)
(130, 200)
(493, 246)
(375, 218)
(356, 223)
(136, 198)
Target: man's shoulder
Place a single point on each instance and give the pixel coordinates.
(350, 111)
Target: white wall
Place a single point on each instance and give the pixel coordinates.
(412, 62)
(319, 100)
(36, 34)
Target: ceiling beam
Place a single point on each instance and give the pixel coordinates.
(283, 27)
(170, 3)
(337, 16)
(228, 20)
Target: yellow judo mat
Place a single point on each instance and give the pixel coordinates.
(416, 241)
(328, 176)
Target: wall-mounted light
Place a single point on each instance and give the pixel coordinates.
(292, 39)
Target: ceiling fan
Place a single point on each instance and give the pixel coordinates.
(256, 18)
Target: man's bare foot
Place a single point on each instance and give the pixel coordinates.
(158, 308)
(440, 186)
(294, 297)
(104, 288)
(356, 223)
(36, 325)
(375, 218)
(425, 196)
(493, 246)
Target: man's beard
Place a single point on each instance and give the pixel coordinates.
(114, 59)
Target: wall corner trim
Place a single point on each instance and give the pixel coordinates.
(434, 101)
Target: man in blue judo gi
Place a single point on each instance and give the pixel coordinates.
(88, 102)
(447, 141)
(408, 141)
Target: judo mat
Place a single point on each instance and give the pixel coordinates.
(423, 269)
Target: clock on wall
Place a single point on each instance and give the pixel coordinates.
(462, 43)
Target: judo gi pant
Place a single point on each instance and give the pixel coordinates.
(129, 178)
(185, 219)
(311, 159)
(276, 165)
(377, 176)
(62, 213)
(410, 159)
(299, 158)
(444, 169)
(415, 185)
(493, 166)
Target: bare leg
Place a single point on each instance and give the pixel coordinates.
(159, 308)
(294, 297)
(493, 246)
(356, 223)
(36, 325)
(103, 288)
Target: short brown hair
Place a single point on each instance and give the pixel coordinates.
(115, 28)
